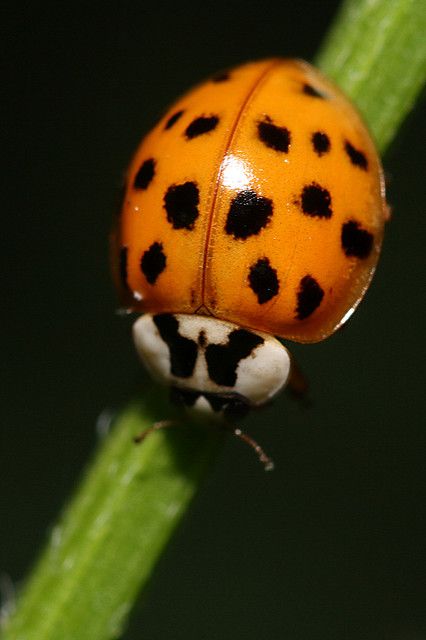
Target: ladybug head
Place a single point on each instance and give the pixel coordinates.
(214, 367)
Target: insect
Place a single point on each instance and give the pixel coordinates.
(253, 210)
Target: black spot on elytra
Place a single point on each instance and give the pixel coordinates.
(145, 174)
(309, 297)
(201, 125)
(202, 339)
(221, 76)
(273, 136)
(181, 204)
(263, 280)
(173, 119)
(358, 158)
(123, 266)
(183, 351)
(153, 262)
(356, 242)
(320, 142)
(248, 214)
(222, 360)
(316, 201)
(309, 90)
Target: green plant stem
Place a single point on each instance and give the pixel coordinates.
(104, 549)
(376, 52)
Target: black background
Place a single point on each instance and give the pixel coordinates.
(331, 545)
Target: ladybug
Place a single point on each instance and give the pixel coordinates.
(254, 210)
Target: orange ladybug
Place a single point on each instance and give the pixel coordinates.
(255, 208)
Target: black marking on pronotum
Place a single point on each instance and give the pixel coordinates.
(316, 201)
(153, 262)
(273, 136)
(263, 280)
(145, 174)
(173, 119)
(202, 338)
(357, 157)
(123, 266)
(309, 297)
(248, 214)
(309, 90)
(356, 242)
(183, 351)
(181, 204)
(222, 360)
(201, 125)
(320, 142)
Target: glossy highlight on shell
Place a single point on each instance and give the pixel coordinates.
(258, 199)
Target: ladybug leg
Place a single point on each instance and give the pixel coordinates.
(298, 385)
(267, 462)
(236, 431)
(161, 424)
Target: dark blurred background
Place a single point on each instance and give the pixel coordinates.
(332, 544)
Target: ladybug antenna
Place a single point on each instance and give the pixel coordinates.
(267, 462)
(161, 424)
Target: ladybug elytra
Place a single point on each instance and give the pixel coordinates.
(253, 210)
